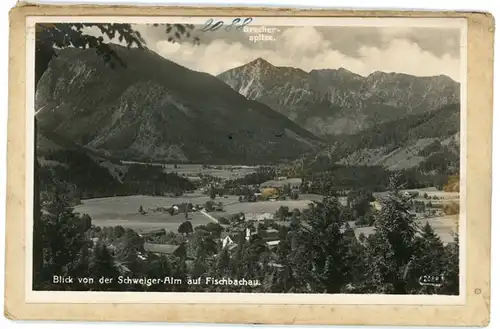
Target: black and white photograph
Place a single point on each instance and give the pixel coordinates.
(248, 155)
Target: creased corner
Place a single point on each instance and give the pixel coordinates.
(8, 314)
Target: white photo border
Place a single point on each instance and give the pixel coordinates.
(244, 298)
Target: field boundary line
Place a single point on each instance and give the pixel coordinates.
(209, 216)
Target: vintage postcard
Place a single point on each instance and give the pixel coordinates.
(249, 165)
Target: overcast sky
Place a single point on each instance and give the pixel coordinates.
(362, 50)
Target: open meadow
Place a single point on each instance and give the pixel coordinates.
(444, 226)
(282, 182)
(123, 211)
(433, 194)
(194, 170)
(265, 206)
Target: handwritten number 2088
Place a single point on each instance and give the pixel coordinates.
(211, 26)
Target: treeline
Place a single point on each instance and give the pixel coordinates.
(440, 123)
(440, 160)
(373, 178)
(91, 180)
(80, 170)
(152, 180)
(432, 172)
(443, 161)
(317, 253)
(339, 177)
(263, 174)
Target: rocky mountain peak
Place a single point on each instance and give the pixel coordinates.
(338, 101)
(259, 61)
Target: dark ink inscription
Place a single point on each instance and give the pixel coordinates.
(211, 25)
(235, 21)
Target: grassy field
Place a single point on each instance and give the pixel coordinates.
(311, 197)
(282, 183)
(151, 221)
(444, 227)
(123, 211)
(265, 206)
(431, 192)
(224, 172)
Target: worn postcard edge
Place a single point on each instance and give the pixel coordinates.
(476, 311)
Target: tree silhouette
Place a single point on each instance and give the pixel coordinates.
(452, 268)
(393, 245)
(51, 35)
(102, 265)
(60, 238)
(213, 193)
(319, 259)
(185, 228)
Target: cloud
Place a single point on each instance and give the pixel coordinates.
(362, 50)
(390, 50)
(292, 41)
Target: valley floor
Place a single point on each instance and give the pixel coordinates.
(123, 211)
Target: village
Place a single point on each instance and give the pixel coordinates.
(260, 212)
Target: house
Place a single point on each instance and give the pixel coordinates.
(157, 232)
(410, 194)
(264, 216)
(270, 235)
(272, 231)
(225, 234)
(376, 205)
(273, 243)
(141, 256)
(272, 264)
(269, 192)
(228, 243)
(164, 249)
(218, 208)
(258, 216)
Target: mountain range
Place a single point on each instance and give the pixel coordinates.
(156, 110)
(429, 142)
(336, 101)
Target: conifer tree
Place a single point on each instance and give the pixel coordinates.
(102, 265)
(393, 246)
(320, 258)
(428, 260)
(61, 236)
(451, 284)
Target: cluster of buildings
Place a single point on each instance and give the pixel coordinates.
(270, 237)
(228, 240)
